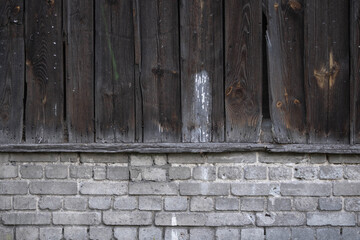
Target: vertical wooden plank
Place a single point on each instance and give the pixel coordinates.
(243, 67)
(285, 34)
(327, 70)
(160, 78)
(79, 70)
(114, 71)
(355, 70)
(44, 72)
(202, 83)
(12, 70)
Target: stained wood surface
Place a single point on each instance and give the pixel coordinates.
(44, 72)
(160, 73)
(285, 46)
(12, 70)
(114, 71)
(79, 30)
(243, 68)
(327, 71)
(202, 82)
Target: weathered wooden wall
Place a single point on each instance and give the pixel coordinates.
(110, 71)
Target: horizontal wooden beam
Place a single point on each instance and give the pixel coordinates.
(182, 148)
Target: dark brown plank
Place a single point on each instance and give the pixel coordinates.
(79, 69)
(114, 71)
(160, 78)
(285, 47)
(202, 83)
(243, 69)
(355, 70)
(12, 70)
(44, 72)
(327, 70)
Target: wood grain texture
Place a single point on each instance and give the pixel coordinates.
(44, 72)
(12, 70)
(202, 81)
(79, 29)
(355, 71)
(160, 78)
(243, 67)
(114, 71)
(327, 70)
(285, 47)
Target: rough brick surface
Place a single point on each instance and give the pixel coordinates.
(150, 233)
(201, 204)
(31, 171)
(306, 189)
(25, 203)
(280, 219)
(26, 218)
(328, 234)
(8, 171)
(347, 188)
(330, 204)
(252, 234)
(127, 218)
(53, 187)
(254, 189)
(5, 203)
(150, 203)
(56, 171)
(78, 233)
(227, 204)
(125, 203)
(100, 203)
(252, 204)
(26, 233)
(76, 218)
(100, 233)
(331, 219)
(303, 233)
(279, 204)
(255, 172)
(75, 203)
(176, 233)
(204, 189)
(51, 233)
(280, 173)
(125, 233)
(227, 233)
(179, 173)
(103, 188)
(205, 173)
(278, 234)
(13, 187)
(230, 173)
(176, 203)
(117, 173)
(153, 188)
(50, 203)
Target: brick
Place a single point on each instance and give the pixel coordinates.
(186, 158)
(227, 204)
(160, 159)
(70, 157)
(280, 219)
(154, 174)
(103, 188)
(76, 218)
(254, 189)
(244, 157)
(100, 233)
(150, 203)
(230, 173)
(227, 233)
(305, 189)
(352, 204)
(99, 172)
(13, 187)
(31, 171)
(5, 203)
(50, 203)
(352, 159)
(51, 233)
(252, 234)
(125, 233)
(153, 188)
(280, 173)
(229, 219)
(255, 172)
(252, 204)
(204, 189)
(176, 233)
(24, 203)
(175, 203)
(126, 203)
(306, 204)
(347, 188)
(26, 218)
(34, 157)
(279, 204)
(100, 203)
(75, 204)
(328, 234)
(202, 234)
(8, 171)
(127, 218)
(281, 158)
(331, 172)
(317, 158)
(330, 204)
(201, 204)
(303, 233)
(180, 219)
(179, 173)
(26, 233)
(6, 233)
(135, 174)
(331, 219)
(83, 172)
(147, 233)
(104, 158)
(351, 233)
(352, 172)
(56, 171)
(117, 173)
(51, 187)
(278, 234)
(306, 173)
(205, 173)
(141, 160)
(78, 233)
